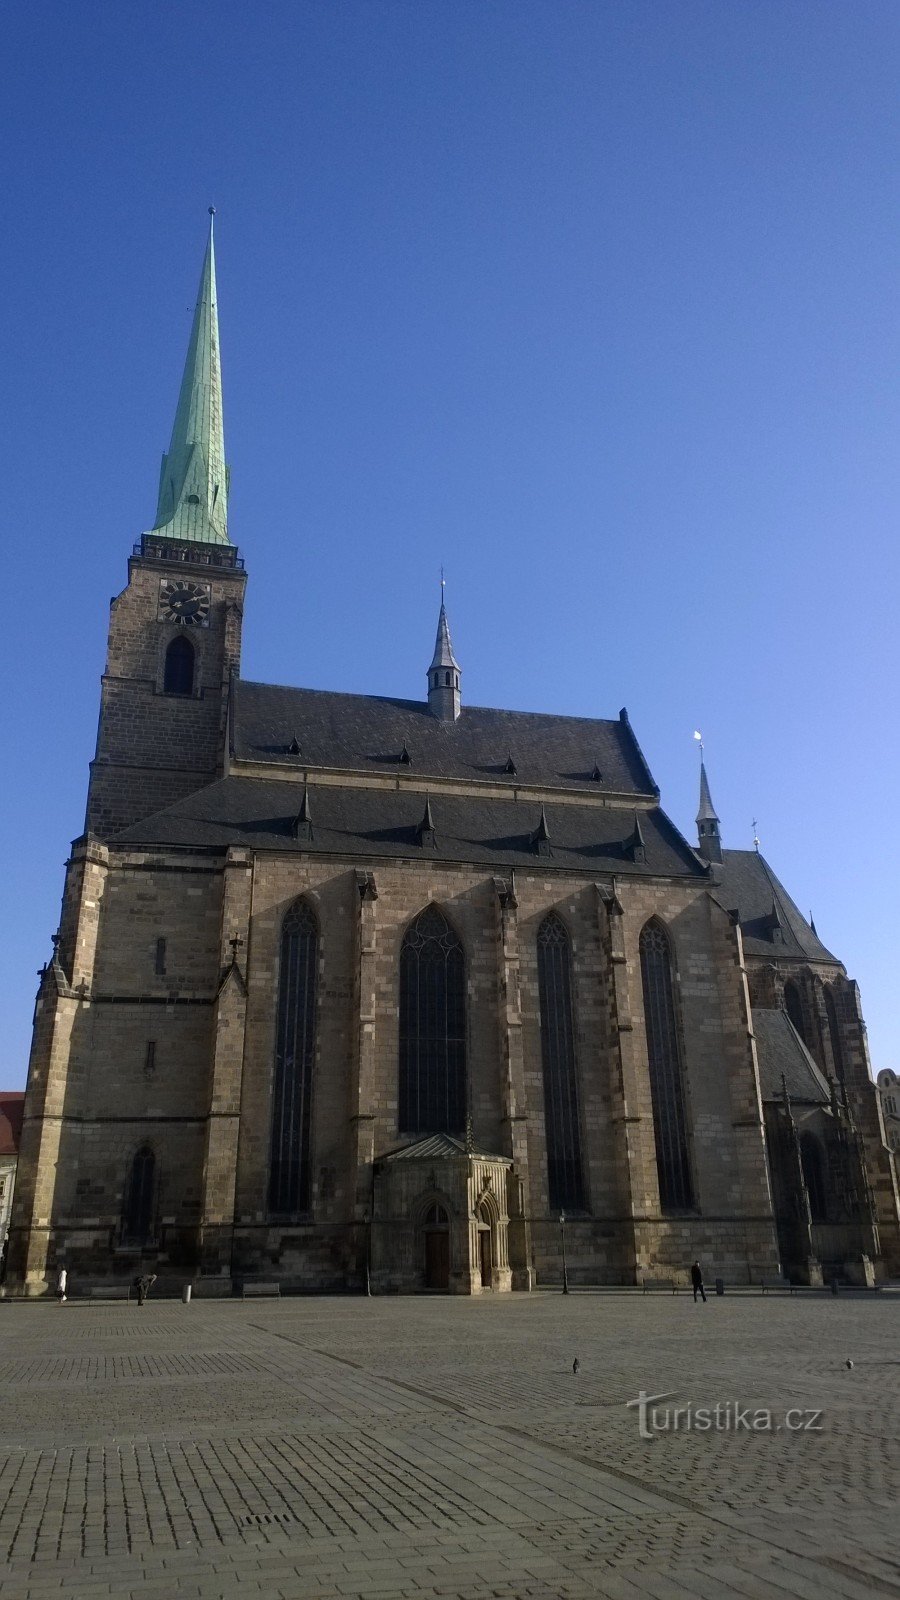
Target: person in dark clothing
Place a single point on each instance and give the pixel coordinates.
(697, 1281)
(144, 1285)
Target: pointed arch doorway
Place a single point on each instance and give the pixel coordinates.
(436, 1238)
(485, 1247)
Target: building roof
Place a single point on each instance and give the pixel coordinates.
(12, 1107)
(771, 924)
(783, 1055)
(368, 733)
(193, 479)
(706, 811)
(261, 813)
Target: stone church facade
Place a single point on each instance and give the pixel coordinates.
(356, 991)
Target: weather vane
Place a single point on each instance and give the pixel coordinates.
(754, 826)
(699, 738)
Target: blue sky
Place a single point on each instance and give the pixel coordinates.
(595, 304)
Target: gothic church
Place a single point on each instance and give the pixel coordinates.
(352, 991)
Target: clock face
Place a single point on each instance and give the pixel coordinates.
(184, 602)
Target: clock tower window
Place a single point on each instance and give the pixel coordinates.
(179, 671)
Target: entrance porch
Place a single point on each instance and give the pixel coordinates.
(441, 1220)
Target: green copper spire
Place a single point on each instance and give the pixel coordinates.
(193, 479)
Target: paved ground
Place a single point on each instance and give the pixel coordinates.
(424, 1447)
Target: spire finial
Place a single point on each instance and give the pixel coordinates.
(754, 825)
(193, 482)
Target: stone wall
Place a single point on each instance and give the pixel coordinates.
(202, 1096)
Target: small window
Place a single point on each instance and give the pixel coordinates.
(447, 679)
(160, 963)
(192, 499)
(178, 677)
(150, 1058)
(436, 1217)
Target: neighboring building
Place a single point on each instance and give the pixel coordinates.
(348, 983)
(889, 1089)
(12, 1105)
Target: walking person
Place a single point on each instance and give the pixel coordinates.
(62, 1279)
(697, 1281)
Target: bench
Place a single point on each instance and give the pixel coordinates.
(659, 1283)
(779, 1282)
(254, 1291)
(110, 1291)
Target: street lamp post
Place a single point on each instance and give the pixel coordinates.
(562, 1235)
(368, 1271)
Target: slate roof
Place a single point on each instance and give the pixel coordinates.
(437, 1147)
(12, 1107)
(258, 814)
(746, 883)
(366, 733)
(780, 1050)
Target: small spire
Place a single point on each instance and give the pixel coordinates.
(444, 673)
(425, 829)
(303, 825)
(193, 481)
(812, 924)
(540, 839)
(709, 841)
(634, 844)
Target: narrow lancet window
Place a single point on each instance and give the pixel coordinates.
(812, 1160)
(138, 1217)
(837, 1047)
(676, 1190)
(432, 1027)
(793, 1005)
(289, 1163)
(563, 1130)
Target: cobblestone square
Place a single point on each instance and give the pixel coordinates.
(444, 1447)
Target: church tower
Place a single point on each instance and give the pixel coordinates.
(175, 630)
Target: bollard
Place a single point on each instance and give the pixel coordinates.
(186, 1294)
(720, 1286)
(834, 1286)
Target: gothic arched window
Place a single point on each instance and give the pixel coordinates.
(812, 1160)
(178, 677)
(676, 1190)
(138, 1215)
(295, 1043)
(432, 1027)
(793, 1005)
(554, 955)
